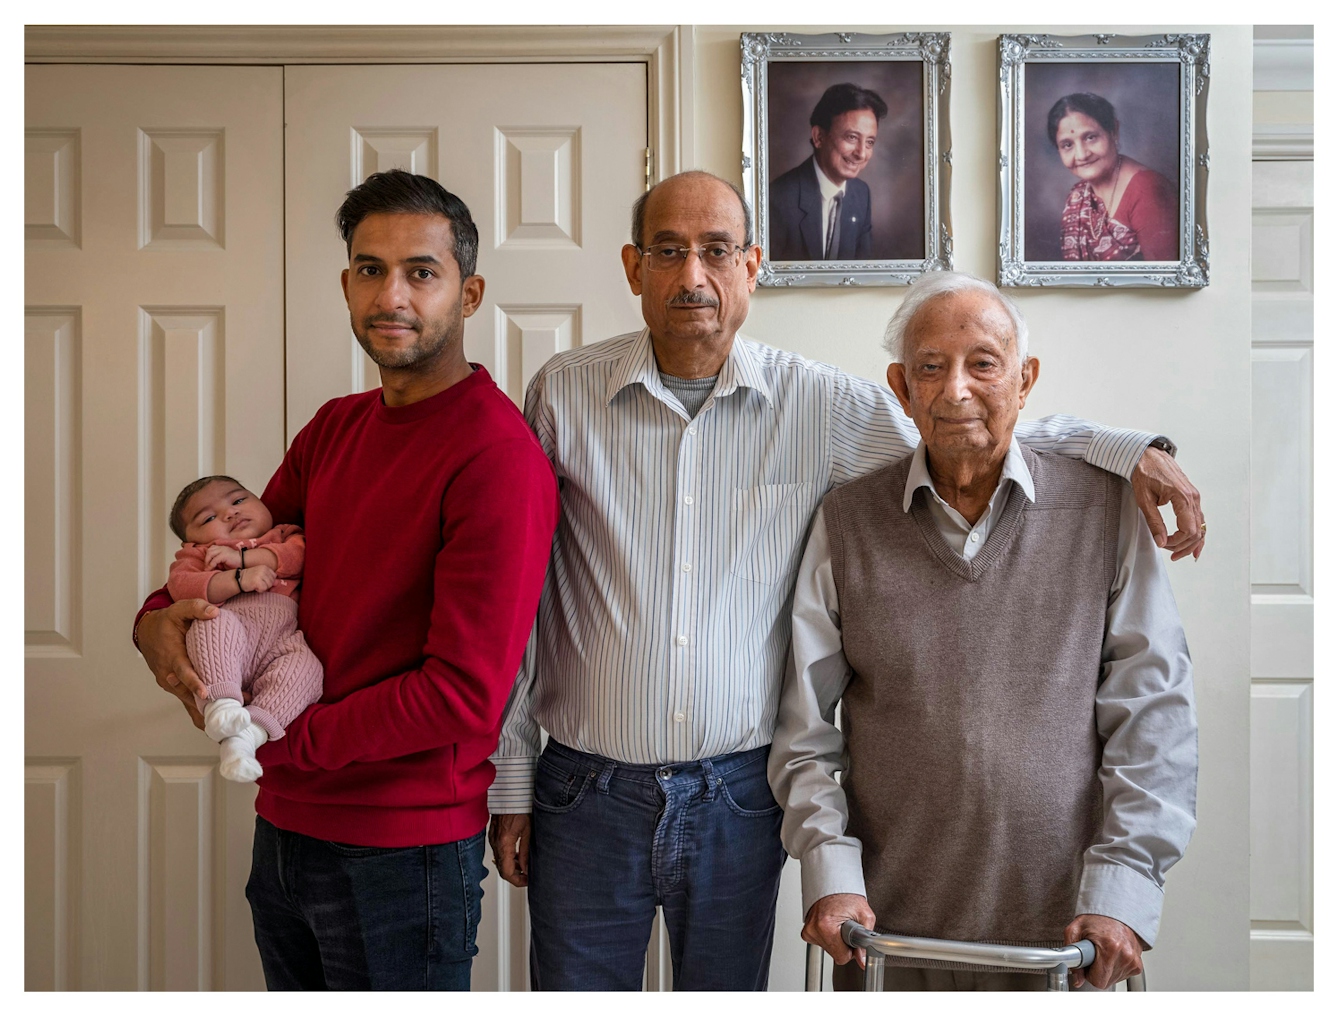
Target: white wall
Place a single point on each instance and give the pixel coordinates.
(1176, 362)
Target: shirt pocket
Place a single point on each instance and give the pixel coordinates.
(767, 526)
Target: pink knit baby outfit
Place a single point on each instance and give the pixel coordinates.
(253, 644)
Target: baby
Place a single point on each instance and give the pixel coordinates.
(232, 554)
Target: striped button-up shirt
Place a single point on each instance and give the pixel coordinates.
(665, 617)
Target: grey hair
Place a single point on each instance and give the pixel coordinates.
(932, 285)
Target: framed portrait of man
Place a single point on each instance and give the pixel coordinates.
(1103, 160)
(846, 156)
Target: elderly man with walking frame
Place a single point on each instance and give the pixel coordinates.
(1017, 730)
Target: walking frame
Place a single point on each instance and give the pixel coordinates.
(1055, 963)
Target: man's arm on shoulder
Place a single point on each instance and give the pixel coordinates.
(1145, 715)
(868, 428)
(495, 547)
(1155, 476)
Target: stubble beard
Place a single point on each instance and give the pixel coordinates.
(425, 351)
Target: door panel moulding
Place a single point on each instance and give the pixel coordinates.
(664, 49)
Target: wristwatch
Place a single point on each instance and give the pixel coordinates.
(1164, 444)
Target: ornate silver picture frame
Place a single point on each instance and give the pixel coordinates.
(867, 114)
(1089, 121)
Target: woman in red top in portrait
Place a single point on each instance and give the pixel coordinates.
(1143, 223)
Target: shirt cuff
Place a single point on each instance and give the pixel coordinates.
(831, 868)
(1118, 451)
(1112, 890)
(512, 792)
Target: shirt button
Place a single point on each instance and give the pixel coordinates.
(686, 566)
(682, 640)
(679, 717)
(975, 537)
(687, 499)
(692, 431)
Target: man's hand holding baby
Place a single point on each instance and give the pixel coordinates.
(162, 640)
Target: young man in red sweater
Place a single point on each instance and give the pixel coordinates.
(429, 510)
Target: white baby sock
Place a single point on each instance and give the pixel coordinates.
(237, 754)
(225, 717)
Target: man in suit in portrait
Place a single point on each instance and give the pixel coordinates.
(820, 210)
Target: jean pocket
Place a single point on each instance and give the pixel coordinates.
(767, 526)
(355, 851)
(748, 794)
(558, 790)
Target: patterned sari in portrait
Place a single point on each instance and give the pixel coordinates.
(1090, 233)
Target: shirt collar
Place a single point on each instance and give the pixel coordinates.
(1014, 468)
(637, 365)
(829, 190)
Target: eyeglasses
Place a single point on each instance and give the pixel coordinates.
(668, 257)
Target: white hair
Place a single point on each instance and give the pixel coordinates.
(932, 285)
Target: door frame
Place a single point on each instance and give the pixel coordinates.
(666, 50)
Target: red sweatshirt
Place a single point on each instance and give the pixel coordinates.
(428, 532)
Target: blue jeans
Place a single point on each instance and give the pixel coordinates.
(611, 841)
(347, 918)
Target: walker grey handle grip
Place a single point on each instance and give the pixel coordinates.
(1054, 962)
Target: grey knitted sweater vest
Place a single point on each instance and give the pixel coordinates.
(970, 714)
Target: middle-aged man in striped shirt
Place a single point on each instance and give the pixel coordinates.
(690, 465)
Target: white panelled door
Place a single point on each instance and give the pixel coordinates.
(153, 354)
(549, 159)
(1282, 667)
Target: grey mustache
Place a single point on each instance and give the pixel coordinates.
(693, 299)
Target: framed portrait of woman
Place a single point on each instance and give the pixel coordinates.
(1103, 160)
(846, 156)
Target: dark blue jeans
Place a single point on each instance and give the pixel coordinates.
(610, 841)
(346, 918)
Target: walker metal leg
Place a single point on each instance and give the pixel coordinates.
(1057, 978)
(873, 971)
(1139, 982)
(813, 973)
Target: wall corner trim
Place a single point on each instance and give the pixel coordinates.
(1284, 65)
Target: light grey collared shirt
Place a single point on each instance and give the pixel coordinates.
(1144, 711)
(665, 616)
(963, 537)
